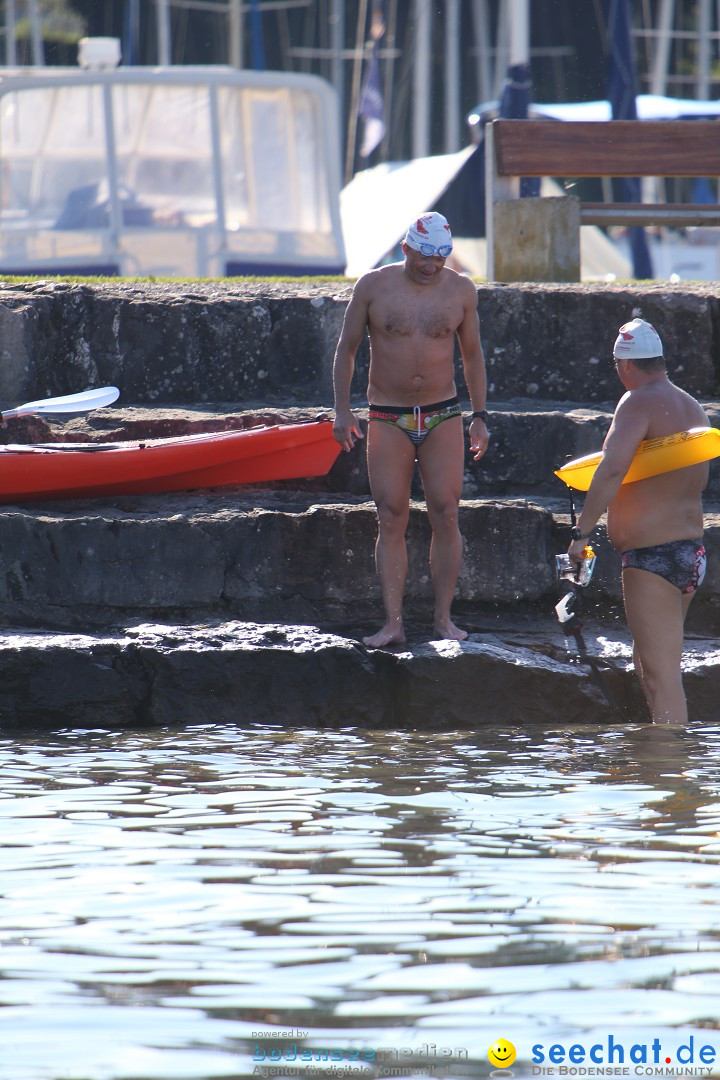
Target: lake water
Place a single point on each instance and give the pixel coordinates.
(226, 901)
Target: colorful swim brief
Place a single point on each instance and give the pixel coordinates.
(416, 421)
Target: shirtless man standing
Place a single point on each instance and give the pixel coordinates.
(656, 524)
(413, 311)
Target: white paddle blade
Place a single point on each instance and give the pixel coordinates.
(83, 402)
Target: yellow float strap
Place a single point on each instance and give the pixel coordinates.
(653, 456)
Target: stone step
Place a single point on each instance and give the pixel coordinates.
(510, 671)
(240, 340)
(166, 608)
(530, 439)
(287, 555)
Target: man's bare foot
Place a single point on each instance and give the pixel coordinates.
(390, 634)
(446, 630)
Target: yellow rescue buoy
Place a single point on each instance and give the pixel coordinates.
(653, 456)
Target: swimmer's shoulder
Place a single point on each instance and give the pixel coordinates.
(379, 280)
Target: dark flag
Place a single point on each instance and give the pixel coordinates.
(620, 70)
(371, 107)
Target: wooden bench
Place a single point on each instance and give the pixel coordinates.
(613, 148)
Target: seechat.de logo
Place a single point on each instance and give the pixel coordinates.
(648, 1058)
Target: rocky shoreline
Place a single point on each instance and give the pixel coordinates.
(250, 604)
(240, 672)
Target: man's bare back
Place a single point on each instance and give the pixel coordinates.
(656, 524)
(669, 506)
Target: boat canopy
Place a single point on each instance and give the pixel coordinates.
(168, 172)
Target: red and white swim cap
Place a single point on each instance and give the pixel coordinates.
(637, 340)
(429, 230)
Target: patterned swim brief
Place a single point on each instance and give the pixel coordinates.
(681, 562)
(416, 421)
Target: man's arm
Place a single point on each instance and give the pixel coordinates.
(473, 359)
(627, 430)
(346, 427)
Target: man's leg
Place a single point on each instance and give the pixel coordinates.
(391, 461)
(441, 459)
(655, 612)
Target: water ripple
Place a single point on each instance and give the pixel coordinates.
(173, 901)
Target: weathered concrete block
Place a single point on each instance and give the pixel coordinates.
(242, 673)
(106, 562)
(537, 239)
(256, 555)
(179, 344)
(554, 342)
(19, 331)
(236, 342)
(294, 556)
(239, 672)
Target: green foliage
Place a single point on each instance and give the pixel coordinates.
(59, 23)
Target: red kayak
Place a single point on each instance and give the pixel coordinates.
(255, 456)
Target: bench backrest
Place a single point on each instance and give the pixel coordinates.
(607, 148)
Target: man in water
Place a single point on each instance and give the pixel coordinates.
(656, 524)
(413, 311)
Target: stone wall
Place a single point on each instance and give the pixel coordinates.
(236, 342)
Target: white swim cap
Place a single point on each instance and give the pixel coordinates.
(430, 235)
(637, 340)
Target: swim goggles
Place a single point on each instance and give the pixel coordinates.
(429, 249)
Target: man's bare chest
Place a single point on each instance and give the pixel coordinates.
(431, 320)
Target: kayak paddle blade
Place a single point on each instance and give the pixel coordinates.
(70, 403)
